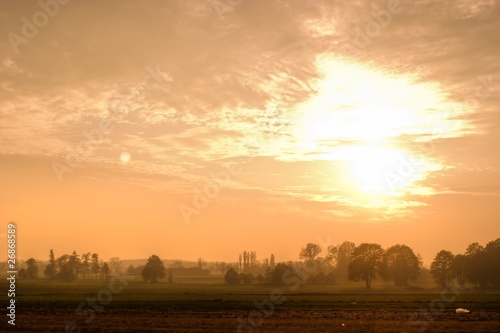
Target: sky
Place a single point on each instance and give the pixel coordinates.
(190, 128)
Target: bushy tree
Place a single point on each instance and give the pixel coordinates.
(32, 269)
(441, 267)
(232, 277)
(401, 264)
(153, 270)
(492, 250)
(23, 275)
(105, 271)
(459, 268)
(366, 263)
(331, 255)
(281, 272)
(343, 259)
(247, 278)
(65, 270)
(309, 253)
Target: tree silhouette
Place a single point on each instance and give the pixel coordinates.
(401, 264)
(344, 253)
(74, 264)
(331, 255)
(86, 265)
(23, 274)
(492, 250)
(282, 272)
(95, 268)
(51, 268)
(309, 253)
(66, 272)
(115, 265)
(366, 262)
(153, 270)
(460, 267)
(105, 271)
(232, 277)
(32, 269)
(272, 261)
(441, 267)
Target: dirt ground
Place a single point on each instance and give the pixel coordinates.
(300, 321)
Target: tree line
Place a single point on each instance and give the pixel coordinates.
(71, 267)
(479, 265)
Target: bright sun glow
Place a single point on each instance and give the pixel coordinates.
(385, 171)
(373, 121)
(125, 157)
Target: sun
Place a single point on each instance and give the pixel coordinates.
(376, 170)
(125, 157)
(375, 123)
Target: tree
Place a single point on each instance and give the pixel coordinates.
(66, 272)
(344, 253)
(105, 271)
(401, 264)
(51, 268)
(130, 269)
(74, 264)
(441, 267)
(477, 271)
(492, 250)
(32, 269)
(459, 268)
(177, 264)
(221, 267)
(247, 278)
(473, 249)
(86, 265)
(281, 273)
(153, 270)
(366, 263)
(309, 253)
(232, 277)
(272, 261)
(115, 265)
(23, 274)
(331, 255)
(95, 268)
(200, 263)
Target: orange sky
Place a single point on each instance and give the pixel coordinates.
(187, 130)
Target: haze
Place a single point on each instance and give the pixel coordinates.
(188, 129)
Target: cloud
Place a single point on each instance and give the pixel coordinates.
(278, 81)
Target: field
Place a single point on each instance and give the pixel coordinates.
(207, 305)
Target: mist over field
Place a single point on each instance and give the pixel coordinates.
(250, 165)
